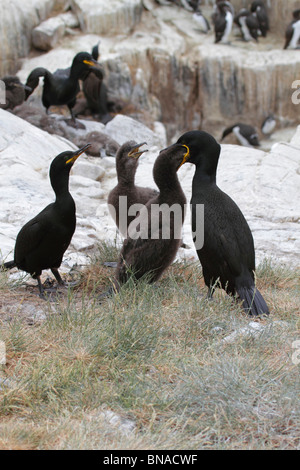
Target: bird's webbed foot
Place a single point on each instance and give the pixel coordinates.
(61, 282)
(45, 293)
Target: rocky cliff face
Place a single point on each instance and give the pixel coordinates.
(279, 12)
(108, 18)
(158, 64)
(162, 67)
(265, 186)
(247, 86)
(17, 21)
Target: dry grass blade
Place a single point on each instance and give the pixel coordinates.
(153, 367)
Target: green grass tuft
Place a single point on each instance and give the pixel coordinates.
(150, 367)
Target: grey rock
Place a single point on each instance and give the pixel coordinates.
(47, 34)
(103, 17)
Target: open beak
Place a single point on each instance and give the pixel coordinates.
(186, 156)
(77, 154)
(135, 152)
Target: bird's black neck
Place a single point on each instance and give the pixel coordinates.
(203, 177)
(60, 185)
(166, 178)
(77, 72)
(126, 175)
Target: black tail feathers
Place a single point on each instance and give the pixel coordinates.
(253, 302)
(8, 265)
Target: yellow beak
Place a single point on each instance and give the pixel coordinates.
(186, 156)
(135, 152)
(77, 154)
(90, 63)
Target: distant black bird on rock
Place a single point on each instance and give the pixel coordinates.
(14, 92)
(155, 235)
(201, 21)
(258, 9)
(62, 86)
(189, 5)
(223, 19)
(248, 24)
(127, 161)
(227, 252)
(95, 90)
(268, 125)
(246, 134)
(42, 241)
(292, 34)
(95, 51)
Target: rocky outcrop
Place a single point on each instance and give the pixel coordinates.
(26, 153)
(47, 34)
(246, 86)
(208, 87)
(166, 70)
(79, 134)
(27, 24)
(174, 79)
(16, 24)
(265, 186)
(279, 12)
(117, 17)
(107, 18)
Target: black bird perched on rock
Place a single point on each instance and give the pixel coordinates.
(155, 235)
(227, 253)
(268, 125)
(127, 160)
(248, 24)
(223, 19)
(189, 5)
(201, 21)
(42, 242)
(14, 92)
(259, 10)
(95, 51)
(246, 134)
(292, 34)
(62, 86)
(95, 90)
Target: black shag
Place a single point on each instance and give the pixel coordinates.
(227, 253)
(127, 160)
(155, 235)
(62, 86)
(14, 92)
(95, 90)
(246, 134)
(95, 51)
(42, 242)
